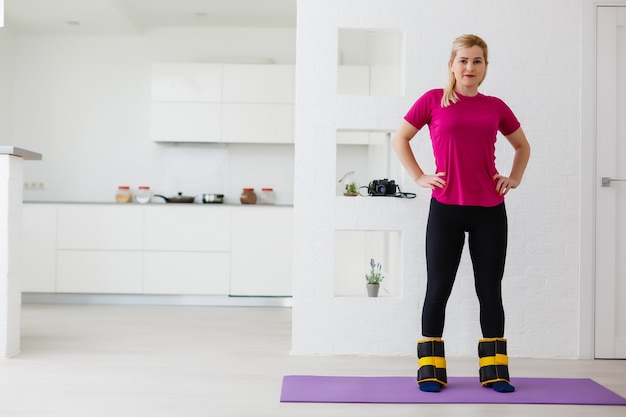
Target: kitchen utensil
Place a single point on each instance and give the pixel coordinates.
(180, 198)
(212, 198)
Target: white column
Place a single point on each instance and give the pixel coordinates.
(11, 183)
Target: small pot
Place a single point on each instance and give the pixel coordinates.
(372, 290)
(212, 198)
(180, 198)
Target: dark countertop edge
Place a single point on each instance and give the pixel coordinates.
(23, 153)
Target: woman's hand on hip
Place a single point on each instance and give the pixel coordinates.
(432, 181)
(504, 184)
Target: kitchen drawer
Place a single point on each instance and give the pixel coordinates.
(187, 227)
(199, 273)
(262, 251)
(258, 84)
(100, 227)
(258, 123)
(102, 272)
(186, 122)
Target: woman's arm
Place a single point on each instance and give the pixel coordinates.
(519, 142)
(400, 143)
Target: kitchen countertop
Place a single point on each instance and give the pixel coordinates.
(12, 150)
(157, 204)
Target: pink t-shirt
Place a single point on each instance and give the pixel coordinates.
(463, 137)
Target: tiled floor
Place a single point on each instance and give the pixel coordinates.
(135, 361)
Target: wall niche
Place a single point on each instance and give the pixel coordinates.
(370, 62)
(353, 251)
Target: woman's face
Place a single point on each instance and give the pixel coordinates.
(469, 67)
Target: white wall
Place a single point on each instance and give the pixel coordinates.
(83, 102)
(6, 77)
(534, 66)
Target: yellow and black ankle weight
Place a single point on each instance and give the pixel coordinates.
(432, 361)
(494, 362)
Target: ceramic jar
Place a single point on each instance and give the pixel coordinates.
(248, 196)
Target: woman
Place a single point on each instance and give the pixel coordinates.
(467, 196)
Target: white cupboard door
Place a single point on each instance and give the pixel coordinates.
(185, 122)
(190, 227)
(38, 250)
(99, 272)
(190, 82)
(262, 251)
(258, 84)
(610, 291)
(194, 273)
(258, 123)
(100, 227)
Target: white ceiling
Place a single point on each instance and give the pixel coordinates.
(135, 16)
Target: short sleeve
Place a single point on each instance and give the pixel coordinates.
(420, 113)
(508, 122)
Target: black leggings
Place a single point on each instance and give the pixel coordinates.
(445, 237)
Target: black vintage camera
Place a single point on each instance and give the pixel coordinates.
(382, 187)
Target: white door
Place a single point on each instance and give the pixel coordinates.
(610, 301)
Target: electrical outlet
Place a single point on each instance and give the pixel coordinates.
(33, 185)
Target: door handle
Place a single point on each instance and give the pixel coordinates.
(606, 181)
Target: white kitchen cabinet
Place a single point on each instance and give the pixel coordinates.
(187, 227)
(99, 248)
(250, 104)
(158, 249)
(186, 122)
(187, 249)
(102, 272)
(258, 84)
(258, 123)
(100, 227)
(38, 251)
(261, 251)
(186, 82)
(197, 273)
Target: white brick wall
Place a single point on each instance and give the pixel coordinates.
(534, 67)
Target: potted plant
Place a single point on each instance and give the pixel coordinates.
(350, 184)
(373, 278)
(351, 190)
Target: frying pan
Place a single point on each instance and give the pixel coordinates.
(180, 198)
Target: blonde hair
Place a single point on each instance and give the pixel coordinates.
(463, 41)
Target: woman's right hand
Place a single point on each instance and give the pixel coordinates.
(432, 181)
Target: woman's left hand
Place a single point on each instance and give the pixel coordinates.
(504, 184)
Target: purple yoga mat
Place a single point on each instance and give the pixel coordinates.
(460, 390)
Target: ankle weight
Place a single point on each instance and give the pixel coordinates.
(494, 362)
(432, 361)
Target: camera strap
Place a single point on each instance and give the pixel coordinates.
(399, 194)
